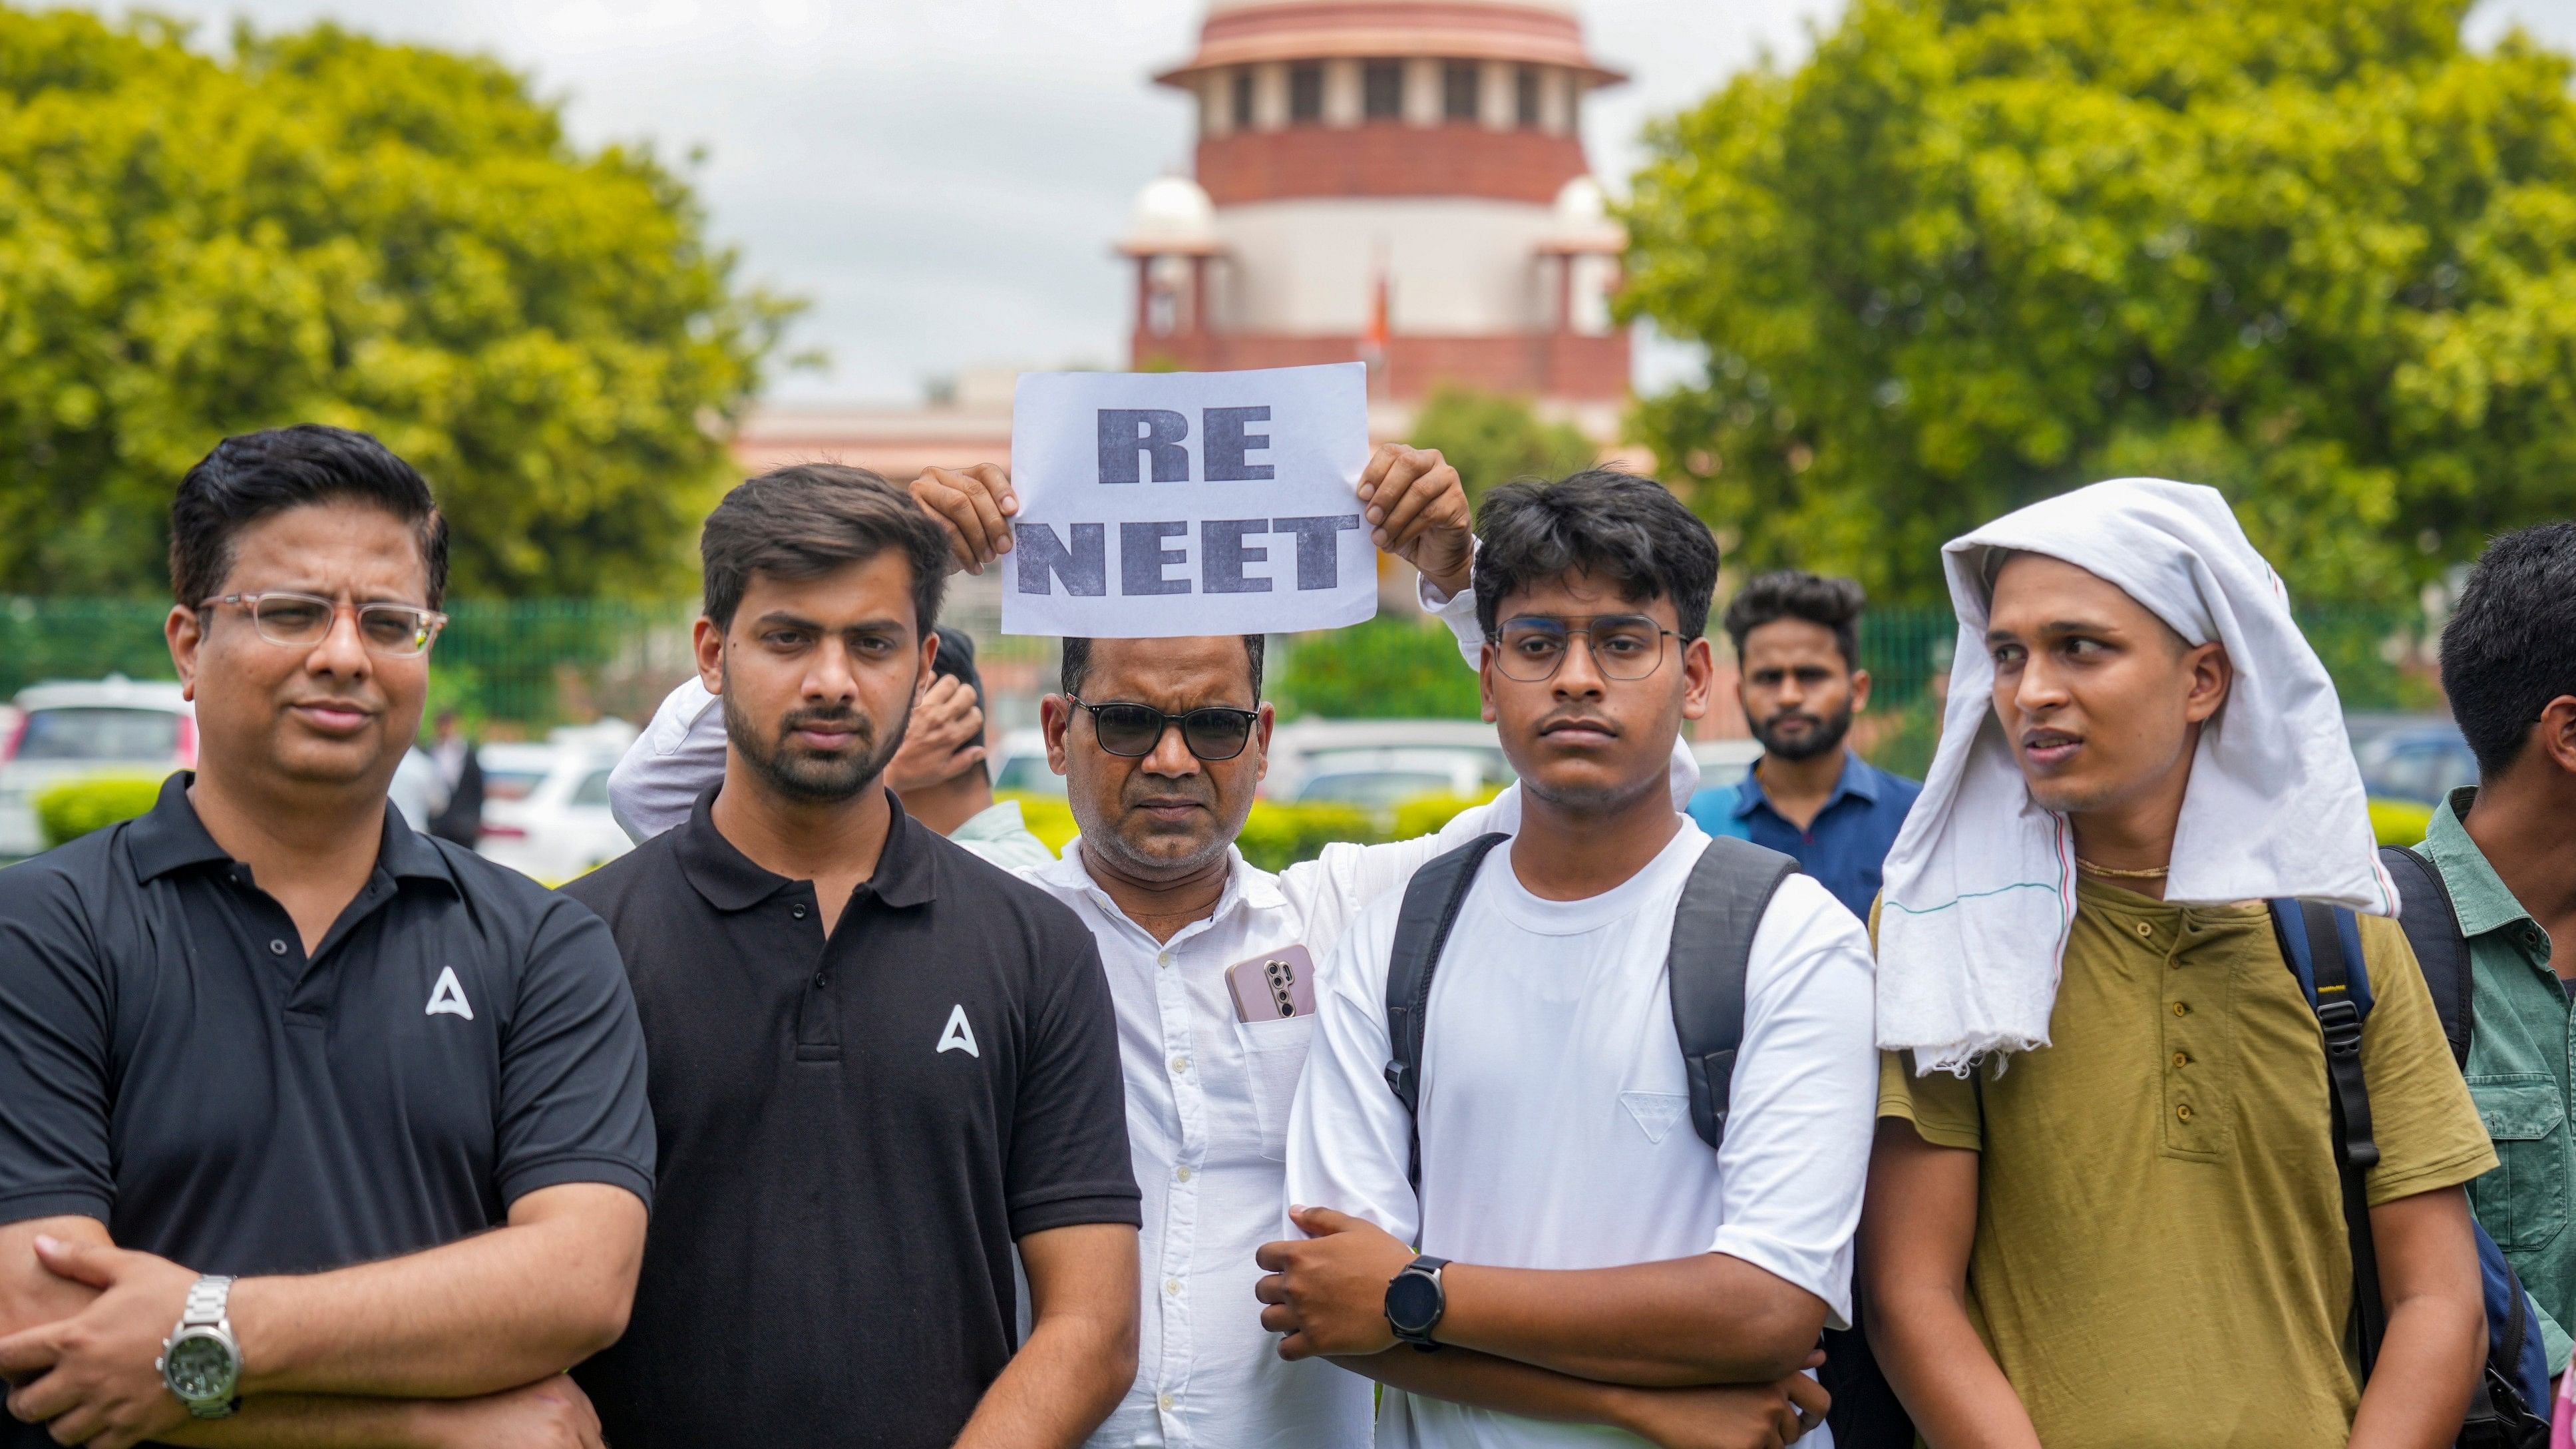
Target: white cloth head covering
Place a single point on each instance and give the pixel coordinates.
(1980, 887)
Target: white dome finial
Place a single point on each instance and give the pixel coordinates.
(1172, 215)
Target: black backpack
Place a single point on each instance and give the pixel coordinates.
(1730, 886)
(2322, 946)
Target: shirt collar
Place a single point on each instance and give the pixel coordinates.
(171, 837)
(1246, 884)
(1859, 779)
(731, 881)
(2478, 894)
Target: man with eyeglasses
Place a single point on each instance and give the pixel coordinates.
(298, 1102)
(1523, 1231)
(1162, 743)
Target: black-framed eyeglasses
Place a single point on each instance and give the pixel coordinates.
(1625, 647)
(300, 621)
(1131, 731)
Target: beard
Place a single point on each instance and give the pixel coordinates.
(802, 774)
(1824, 735)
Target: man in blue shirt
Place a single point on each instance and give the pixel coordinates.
(1797, 647)
(1797, 643)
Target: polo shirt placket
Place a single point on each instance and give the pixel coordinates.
(2521, 1071)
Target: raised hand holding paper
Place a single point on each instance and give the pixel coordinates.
(1163, 504)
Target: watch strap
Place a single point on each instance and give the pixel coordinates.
(209, 1300)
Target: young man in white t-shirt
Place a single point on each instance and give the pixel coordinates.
(1610, 1277)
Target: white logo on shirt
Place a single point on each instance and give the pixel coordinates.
(1656, 1112)
(958, 1036)
(448, 996)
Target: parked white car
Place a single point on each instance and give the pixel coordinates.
(1021, 765)
(1297, 750)
(545, 808)
(1723, 762)
(115, 726)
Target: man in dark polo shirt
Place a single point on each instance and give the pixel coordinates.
(878, 1062)
(293, 1101)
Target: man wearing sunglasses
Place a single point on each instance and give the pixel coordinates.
(1162, 743)
(298, 1103)
(1598, 1263)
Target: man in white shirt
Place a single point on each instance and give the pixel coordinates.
(1611, 1271)
(1173, 904)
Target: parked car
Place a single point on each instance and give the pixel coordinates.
(115, 726)
(1723, 762)
(545, 809)
(1381, 779)
(1297, 750)
(1020, 765)
(2422, 762)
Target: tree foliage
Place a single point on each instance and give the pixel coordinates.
(1492, 440)
(2314, 252)
(319, 227)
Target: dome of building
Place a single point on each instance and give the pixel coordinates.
(1533, 32)
(1172, 216)
(1580, 201)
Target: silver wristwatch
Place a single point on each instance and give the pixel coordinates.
(201, 1360)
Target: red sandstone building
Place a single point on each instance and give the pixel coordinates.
(1398, 181)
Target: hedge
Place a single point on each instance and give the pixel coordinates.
(74, 808)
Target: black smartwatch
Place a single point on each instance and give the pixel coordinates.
(1415, 1301)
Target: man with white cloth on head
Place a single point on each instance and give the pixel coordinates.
(2104, 1207)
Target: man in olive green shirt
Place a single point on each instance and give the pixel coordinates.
(2119, 1225)
(2507, 854)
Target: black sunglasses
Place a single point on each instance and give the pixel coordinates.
(1133, 730)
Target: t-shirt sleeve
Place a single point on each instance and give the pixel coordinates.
(1350, 1141)
(1068, 1159)
(573, 1107)
(1798, 1126)
(55, 1035)
(682, 752)
(2421, 1115)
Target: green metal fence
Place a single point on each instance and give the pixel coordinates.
(540, 663)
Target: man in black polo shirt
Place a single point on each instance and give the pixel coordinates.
(878, 1062)
(294, 1101)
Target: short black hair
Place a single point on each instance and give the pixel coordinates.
(1835, 603)
(252, 476)
(808, 519)
(2510, 647)
(1077, 663)
(956, 659)
(1627, 530)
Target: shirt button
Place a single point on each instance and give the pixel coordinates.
(1166, 1402)
(821, 980)
(1163, 960)
(2145, 930)
(2181, 1010)
(2181, 1060)
(1181, 1173)
(277, 948)
(1173, 1287)
(797, 911)
(2183, 1111)
(1180, 1064)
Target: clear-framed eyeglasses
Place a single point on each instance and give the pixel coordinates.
(300, 621)
(1625, 647)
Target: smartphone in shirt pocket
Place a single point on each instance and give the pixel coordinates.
(1274, 1010)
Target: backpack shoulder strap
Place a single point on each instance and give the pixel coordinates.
(1730, 886)
(1422, 926)
(2432, 925)
(2322, 945)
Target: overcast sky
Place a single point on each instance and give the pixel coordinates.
(943, 179)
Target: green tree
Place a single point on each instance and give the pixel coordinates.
(319, 227)
(2316, 253)
(1492, 440)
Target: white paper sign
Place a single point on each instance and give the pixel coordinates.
(1158, 504)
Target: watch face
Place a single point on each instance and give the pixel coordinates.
(1413, 1302)
(200, 1367)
